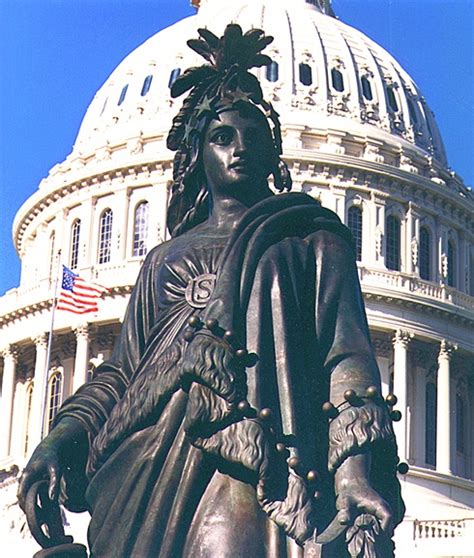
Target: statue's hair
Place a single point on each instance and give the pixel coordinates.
(223, 84)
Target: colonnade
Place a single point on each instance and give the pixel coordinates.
(444, 414)
(401, 342)
(10, 356)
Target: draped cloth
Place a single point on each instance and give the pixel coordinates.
(287, 285)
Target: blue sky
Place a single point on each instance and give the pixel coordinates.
(55, 54)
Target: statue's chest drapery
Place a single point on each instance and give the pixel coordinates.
(185, 282)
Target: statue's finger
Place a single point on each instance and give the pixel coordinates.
(23, 487)
(344, 515)
(380, 509)
(54, 477)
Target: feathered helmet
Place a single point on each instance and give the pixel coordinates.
(224, 82)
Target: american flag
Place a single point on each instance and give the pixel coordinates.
(77, 295)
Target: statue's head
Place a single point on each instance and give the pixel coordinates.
(225, 135)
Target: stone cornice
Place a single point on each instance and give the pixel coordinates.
(42, 199)
(364, 173)
(427, 306)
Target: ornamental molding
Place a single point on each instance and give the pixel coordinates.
(402, 338)
(425, 306)
(42, 200)
(373, 171)
(41, 340)
(11, 353)
(82, 331)
(446, 350)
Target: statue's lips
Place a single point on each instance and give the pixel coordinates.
(241, 166)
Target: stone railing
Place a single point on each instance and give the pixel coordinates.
(405, 283)
(443, 529)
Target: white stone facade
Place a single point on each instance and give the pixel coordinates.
(359, 136)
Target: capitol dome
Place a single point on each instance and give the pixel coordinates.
(359, 136)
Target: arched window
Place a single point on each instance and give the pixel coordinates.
(430, 422)
(55, 394)
(366, 88)
(337, 80)
(460, 424)
(451, 264)
(392, 100)
(105, 236)
(123, 94)
(412, 111)
(272, 72)
(146, 85)
(52, 240)
(28, 406)
(306, 74)
(392, 232)
(425, 254)
(354, 222)
(174, 76)
(140, 229)
(75, 234)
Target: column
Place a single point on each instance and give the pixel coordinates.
(410, 242)
(40, 379)
(443, 418)
(400, 372)
(81, 362)
(10, 359)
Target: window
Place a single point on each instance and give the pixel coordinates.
(105, 236)
(306, 74)
(392, 100)
(272, 71)
(337, 80)
(29, 403)
(140, 229)
(451, 264)
(412, 111)
(174, 76)
(366, 88)
(425, 254)
(75, 234)
(460, 424)
(392, 255)
(123, 95)
(55, 394)
(430, 421)
(354, 222)
(146, 85)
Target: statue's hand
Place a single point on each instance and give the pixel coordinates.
(50, 459)
(355, 496)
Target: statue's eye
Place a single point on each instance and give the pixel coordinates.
(222, 137)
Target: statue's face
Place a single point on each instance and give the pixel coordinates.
(237, 153)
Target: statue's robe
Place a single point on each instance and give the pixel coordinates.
(157, 495)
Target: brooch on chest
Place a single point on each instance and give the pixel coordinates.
(199, 290)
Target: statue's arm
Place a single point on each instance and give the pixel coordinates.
(362, 446)
(82, 415)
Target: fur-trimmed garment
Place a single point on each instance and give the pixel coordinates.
(173, 469)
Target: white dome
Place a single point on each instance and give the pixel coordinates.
(343, 79)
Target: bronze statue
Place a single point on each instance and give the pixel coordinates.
(242, 402)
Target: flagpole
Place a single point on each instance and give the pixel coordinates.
(50, 342)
